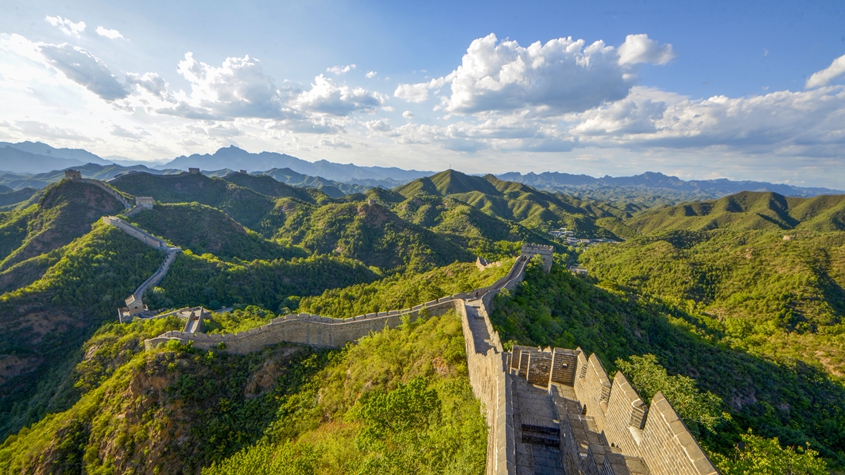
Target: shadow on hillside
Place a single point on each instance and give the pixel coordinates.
(796, 402)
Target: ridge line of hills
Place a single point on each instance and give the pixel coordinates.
(28, 159)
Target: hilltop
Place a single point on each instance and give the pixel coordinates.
(747, 210)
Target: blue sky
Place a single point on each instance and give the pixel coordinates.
(744, 90)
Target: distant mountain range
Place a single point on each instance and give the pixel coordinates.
(36, 164)
(654, 180)
(235, 158)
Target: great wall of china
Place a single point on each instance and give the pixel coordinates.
(134, 304)
(549, 411)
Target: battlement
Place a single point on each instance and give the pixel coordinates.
(605, 427)
(546, 252)
(73, 174)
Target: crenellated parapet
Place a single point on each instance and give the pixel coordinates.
(602, 424)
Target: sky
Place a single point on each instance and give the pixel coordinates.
(700, 90)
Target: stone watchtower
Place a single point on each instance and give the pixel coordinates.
(194, 171)
(145, 202)
(73, 174)
(546, 252)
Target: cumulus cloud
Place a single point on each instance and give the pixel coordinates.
(642, 49)
(370, 74)
(238, 88)
(823, 77)
(408, 115)
(379, 125)
(85, 69)
(326, 97)
(110, 34)
(340, 70)
(770, 123)
(66, 25)
(561, 76)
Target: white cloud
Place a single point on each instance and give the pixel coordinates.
(119, 131)
(563, 75)
(802, 123)
(334, 143)
(150, 82)
(379, 125)
(642, 49)
(326, 97)
(34, 128)
(238, 88)
(370, 74)
(85, 69)
(110, 34)
(408, 115)
(340, 70)
(66, 25)
(823, 77)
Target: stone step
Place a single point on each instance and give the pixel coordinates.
(530, 438)
(540, 427)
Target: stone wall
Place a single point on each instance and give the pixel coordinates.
(135, 232)
(107, 189)
(653, 433)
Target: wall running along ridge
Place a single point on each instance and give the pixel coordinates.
(656, 436)
(150, 240)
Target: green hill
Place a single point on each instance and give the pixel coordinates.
(64, 212)
(776, 396)
(531, 208)
(746, 210)
(202, 229)
(242, 204)
(175, 410)
(267, 185)
(368, 232)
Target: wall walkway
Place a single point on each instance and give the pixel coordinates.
(150, 240)
(548, 411)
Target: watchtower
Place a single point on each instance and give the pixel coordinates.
(194, 171)
(546, 252)
(73, 174)
(144, 202)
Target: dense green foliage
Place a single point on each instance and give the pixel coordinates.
(766, 457)
(206, 280)
(518, 203)
(402, 290)
(241, 204)
(64, 212)
(783, 299)
(45, 323)
(203, 229)
(563, 310)
(397, 402)
(367, 232)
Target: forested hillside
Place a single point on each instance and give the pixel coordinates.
(732, 307)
